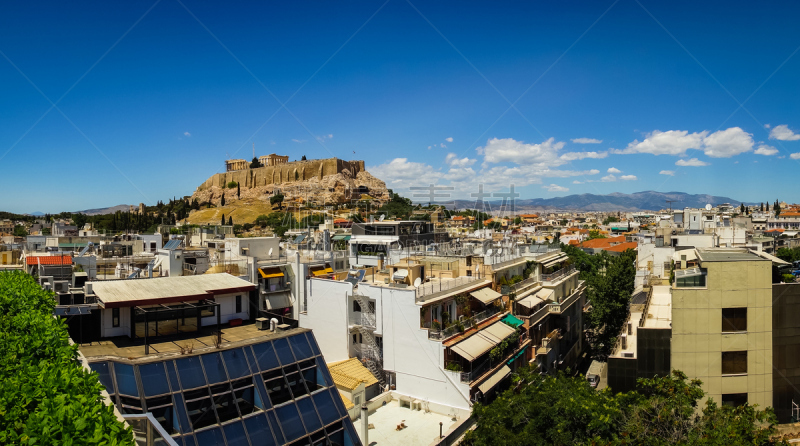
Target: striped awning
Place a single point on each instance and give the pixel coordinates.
(495, 379)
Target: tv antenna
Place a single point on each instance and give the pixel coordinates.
(670, 203)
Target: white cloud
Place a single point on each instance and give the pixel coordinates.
(672, 142)
(667, 172)
(608, 179)
(766, 150)
(450, 139)
(555, 188)
(783, 133)
(577, 182)
(322, 138)
(728, 143)
(694, 162)
(766, 126)
(587, 141)
(720, 144)
(299, 141)
(400, 173)
(795, 156)
(628, 178)
(511, 150)
(572, 156)
(453, 160)
(614, 170)
(187, 134)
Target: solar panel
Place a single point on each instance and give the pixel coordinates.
(355, 276)
(299, 238)
(172, 244)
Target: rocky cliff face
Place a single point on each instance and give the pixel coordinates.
(338, 188)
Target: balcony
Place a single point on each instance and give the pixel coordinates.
(558, 275)
(466, 324)
(278, 288)
(432, 290)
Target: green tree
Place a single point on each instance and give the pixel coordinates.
(222, 200)
(518, 221)
(20, 231)
(776, 208)
(276, 199)
(595, 233)
(610, 220)
(238, 191)
(232, 184)
(303, 158)
(230, 221)
(255, 164)
(222, 223)
(79, 220)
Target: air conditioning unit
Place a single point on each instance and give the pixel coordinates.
(624, 341)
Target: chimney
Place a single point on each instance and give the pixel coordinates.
(364, 424)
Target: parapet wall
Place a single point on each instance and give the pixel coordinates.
(293, 172)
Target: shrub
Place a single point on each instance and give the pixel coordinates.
(232, 185)
(788, 278)
(46, 397)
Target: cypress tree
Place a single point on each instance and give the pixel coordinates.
(223, 220)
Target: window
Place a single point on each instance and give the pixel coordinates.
(734, 363)
(115, 317)
(734, 399)
(239, 304)
(356, 306)
(734, 319)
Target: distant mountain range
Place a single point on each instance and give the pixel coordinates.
(102, 211)
(639, 201)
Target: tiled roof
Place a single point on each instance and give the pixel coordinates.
(49, 260)
(602, 243)
(574, 242)
(348, 374)
(347, 403)
(622, 247)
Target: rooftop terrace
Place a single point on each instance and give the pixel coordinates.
(422, 427)
(200, 341)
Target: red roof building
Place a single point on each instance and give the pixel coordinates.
(48, 260)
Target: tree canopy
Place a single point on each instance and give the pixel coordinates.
(561, 410)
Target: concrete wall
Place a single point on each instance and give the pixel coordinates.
(785, 348)
(284, 173)
(106, 323)
(257, 247)
(327, 314)
(697, 338)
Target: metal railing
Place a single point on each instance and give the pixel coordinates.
(147, 431)
(430, 290)
(276, 288)
(512, 259)
(466, 324)
(363, 319)
(556, 275)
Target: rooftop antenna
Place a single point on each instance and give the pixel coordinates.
(254, 150)
(670, 204)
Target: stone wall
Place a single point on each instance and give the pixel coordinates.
(297, 171)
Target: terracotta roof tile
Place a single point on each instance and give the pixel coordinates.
(49, 260)
(622, 247)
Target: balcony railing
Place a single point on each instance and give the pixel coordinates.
(147, 431)
(276, 288)
(430, 290)
(466, 324)
(556, 275)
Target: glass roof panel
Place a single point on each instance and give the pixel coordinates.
(327, 410)
(173, 376)
(313, 343)
(276, 427)
(191, 372)
(154, 379)
(258, 430)
(103, 369)
(186, 427)
(290, 421)
(284, 352)
(126, 379)
(309, 414)
(234, 433)
(236, 363)
(211, 437)
(300, 347)
(265, 356)
(215, 370)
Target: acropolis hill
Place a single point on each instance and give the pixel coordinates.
(325, 181)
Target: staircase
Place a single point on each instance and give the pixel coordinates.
(371, 353)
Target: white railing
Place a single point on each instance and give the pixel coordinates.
(363, 319)
(554, 276)
(429, 290)
(466, 324)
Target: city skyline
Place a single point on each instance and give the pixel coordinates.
(619, 96)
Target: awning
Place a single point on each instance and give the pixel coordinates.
(555, 261)
(514, 358)
(270, 273)
(512, 321)
(400, 274)
(495, 379)
(483, 341)
(485, 295)
(770, 257)
(473, 347)
(277, 301)
(341, 237)
(530, 301)
(321, 271)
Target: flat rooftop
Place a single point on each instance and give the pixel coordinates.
(422, 427)
(164, 290)
(122, 347)
(659, 313)
(726, 255)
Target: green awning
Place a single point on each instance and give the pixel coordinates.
(516, 356)
(512, 321)
(340, 237)
(72, 245)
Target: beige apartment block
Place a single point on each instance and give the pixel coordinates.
(722, 325)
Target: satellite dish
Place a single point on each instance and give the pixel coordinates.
(270, 252)
(489, 252)
(708, 207)
(417, 282)
(382, 217)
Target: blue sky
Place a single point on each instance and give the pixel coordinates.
(153, 96)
